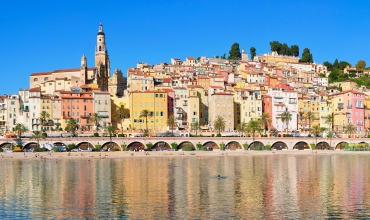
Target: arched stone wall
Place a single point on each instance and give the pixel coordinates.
(339, 145)
(255, 144)
(233, 145)
(279, 145)
(211, 144)
(135, 144)
(185, 143)
(84, 145)
(111, 145)
(160, 145)
(322, 145)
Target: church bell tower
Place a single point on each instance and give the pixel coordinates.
(102, 62)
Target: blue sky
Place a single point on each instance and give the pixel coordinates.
(40, 36)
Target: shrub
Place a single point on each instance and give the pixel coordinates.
(368, 136)
(203, 148)
(188, 148)
(44, 135)
(173, 145)
(199, 146)
(71, 147)
(222, 146)
(121, 135)
(313, 146)
(309, 135)
(218, 135)
(149, 145)
(55, 149)
(124, 147)
(116, 148)
(60, 129)
(40, 150)
(262, 148)
(96, 134)
(245, 146)
(97, 146)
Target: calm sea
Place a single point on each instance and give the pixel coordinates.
(268, 187)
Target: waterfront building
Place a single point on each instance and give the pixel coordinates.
(251, 105)
(155, 102)
(221, 104)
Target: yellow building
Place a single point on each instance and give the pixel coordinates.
(193, 106)
(155, 101)
(251, 105)
(117, 102)
(46, 105)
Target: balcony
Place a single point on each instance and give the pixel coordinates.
(359, 106)
(185, 104)
(340, 105)
(179, 111)
(104, 116)
(359, 123)
(179, 118)
(349, 106)
(85, 116)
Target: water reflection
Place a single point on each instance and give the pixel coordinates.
(273, 186)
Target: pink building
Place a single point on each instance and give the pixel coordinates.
(354, 103)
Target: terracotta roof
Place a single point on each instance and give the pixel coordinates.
(166, 80)
(36, 89)
(41, 73)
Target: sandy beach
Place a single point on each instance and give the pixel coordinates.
(167, 154)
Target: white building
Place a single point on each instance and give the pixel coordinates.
(284, 100)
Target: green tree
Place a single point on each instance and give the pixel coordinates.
(219, 124)
(223, 56)
(329, 120)
(44, 117)
(195, 126)
(349, 129)
(265, 120)
(317, 131)
(253, 127)
(294, 50)
(235, 52)
(275, 46)
(328, 65)
(360, 65)
(284, 49)
(344, 64)
(306, 56)
(72, 126)
(336, 64)
(286, 117)
(171, 122)
(37, 135)
(20, 129)
(253, 52)
(110, 132)
(119, 114)
(241, 127)
(96, 118)
(330, 136)
(146, 114)
(309, 116)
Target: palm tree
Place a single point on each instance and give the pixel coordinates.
(266, 120)
(195, 126)
(254, 127)
(309, 116)
(171, 122)
(44, 117)
(37, 135)
(146, 114)
(329, 120)
(110, 131)
(72, 126)
(349, 129)
(96, 118)
(241, 127)
(330, 136)
(119, 114)
(219, 124)
(286, 117)
(317, 131)
(20, 128)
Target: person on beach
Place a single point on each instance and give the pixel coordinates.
(219, 176)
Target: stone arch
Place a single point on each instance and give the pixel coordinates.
(135, 145)
(255, 144)
(111, 146)
(185, 144)
(6, 145)
(233, 145)
(340, 145)
(30, 145)
(322, 145)
(85, 145)
(279, 145)
(60, 144)
(161, 145)
(211, 145)
(302, 145)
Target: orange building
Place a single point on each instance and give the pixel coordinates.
(77, 105)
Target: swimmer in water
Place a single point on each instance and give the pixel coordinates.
(218, 176)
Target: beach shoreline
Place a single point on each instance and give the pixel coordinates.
(168, 154)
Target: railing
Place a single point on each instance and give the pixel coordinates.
(349, 105)
(185, 104)
(340, 105)
(358, 106)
